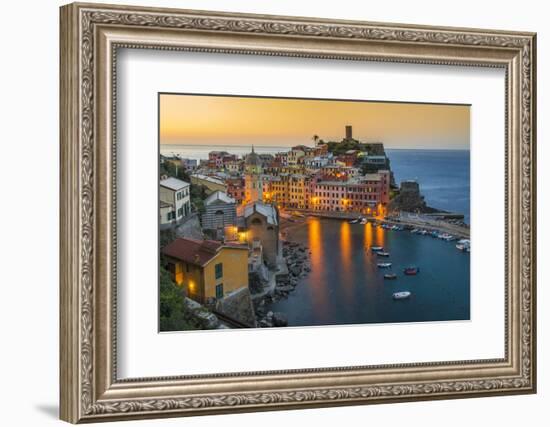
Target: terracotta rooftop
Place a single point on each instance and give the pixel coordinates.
(193, 251)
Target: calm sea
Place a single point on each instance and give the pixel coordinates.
(444, 175)
(200, 152)
(345, 286)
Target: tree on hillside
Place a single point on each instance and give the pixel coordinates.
(173, 313)
(170, 169)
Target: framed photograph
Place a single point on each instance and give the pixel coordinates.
(265, 212)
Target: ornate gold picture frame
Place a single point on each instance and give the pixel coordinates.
(90, 37)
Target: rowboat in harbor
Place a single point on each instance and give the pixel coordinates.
(390, 276)
(376, 248)
(411, 271)
(401, 295)
(381, 253)
(354, 221)
(384, 264)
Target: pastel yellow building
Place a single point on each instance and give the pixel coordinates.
(288, 191)
(207, 269)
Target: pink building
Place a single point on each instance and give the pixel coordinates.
(236, 189)
(368, 194)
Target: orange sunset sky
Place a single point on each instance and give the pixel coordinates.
(236, 121)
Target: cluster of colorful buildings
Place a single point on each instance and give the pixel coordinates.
(244, 197)
(308, 178)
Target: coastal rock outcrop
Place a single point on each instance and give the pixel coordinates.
(410, 199)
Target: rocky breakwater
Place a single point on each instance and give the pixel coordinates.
(297, 258)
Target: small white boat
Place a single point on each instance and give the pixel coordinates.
(384, 264)
(464, 247)
(363, 221)
(401, 295)
(376, 248)
(354, 221)
(446, 236)
(381, 253)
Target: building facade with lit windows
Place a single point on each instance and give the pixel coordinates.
(288, 190)
(368, 194)
(206, 269)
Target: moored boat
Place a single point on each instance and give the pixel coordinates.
(363, 221)
(401, 295)
(411, 271)
(390, 276)
(354, 221)
(381, 253)
(384, 264)
(447, 237)
(376, 248)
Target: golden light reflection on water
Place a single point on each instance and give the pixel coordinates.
(380, 236)
(368, 235)
(318, 276)
(346, 258)
(345, 243)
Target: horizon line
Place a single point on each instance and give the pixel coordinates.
(227, 148)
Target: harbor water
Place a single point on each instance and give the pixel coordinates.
(345, 285)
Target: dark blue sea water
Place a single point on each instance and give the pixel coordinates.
(345, 285)
(443, 175)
